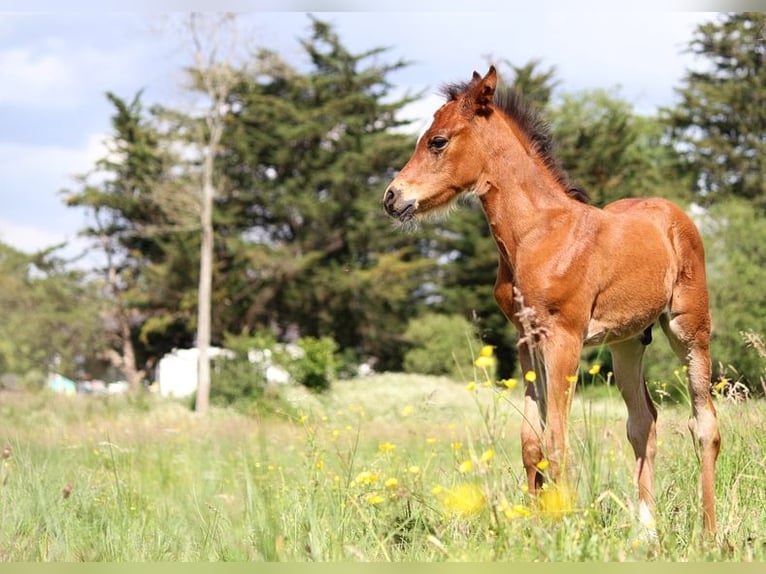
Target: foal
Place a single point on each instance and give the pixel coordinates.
(588, 276)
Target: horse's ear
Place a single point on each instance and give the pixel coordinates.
(482, 91)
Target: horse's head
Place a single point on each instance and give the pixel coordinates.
(447, 160)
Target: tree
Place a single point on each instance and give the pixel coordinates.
(720, 124)
(736, 261)
(120, 196)
(213, 75)
(305, 248)
(50, 316)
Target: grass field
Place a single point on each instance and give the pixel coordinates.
(390, 467)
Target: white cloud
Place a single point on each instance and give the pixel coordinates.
(32, 77)
(19, 162)
(34, 214)
(28, 238)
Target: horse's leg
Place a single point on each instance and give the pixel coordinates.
(532, 422)
(642, 416)
(689, 336)
(561, 355)
(534, 395)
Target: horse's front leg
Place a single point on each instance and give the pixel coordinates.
(561, 356)
(532, 421)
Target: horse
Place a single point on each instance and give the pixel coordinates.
(570, 275)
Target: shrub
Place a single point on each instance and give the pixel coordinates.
(441, 345)
(313, 365)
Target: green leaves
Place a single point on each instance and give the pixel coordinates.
(720, 124)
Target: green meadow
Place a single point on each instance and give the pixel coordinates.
(384, 468)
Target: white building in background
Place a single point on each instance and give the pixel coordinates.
(177, 371)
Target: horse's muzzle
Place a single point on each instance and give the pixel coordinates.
(402, 210)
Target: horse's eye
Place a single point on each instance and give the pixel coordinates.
(438, 143)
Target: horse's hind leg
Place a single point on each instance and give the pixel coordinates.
(642, 417)
(689, 336)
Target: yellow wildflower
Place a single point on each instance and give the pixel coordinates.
(465, 467)
(456, 445)
(595, 369)
(408, 410)
(374, 498)
(464, 500)
(430, 440)
(414, 469)
(510, 383)
(543, 464)
(386, 447)
(520, 510)
(720, 385)
(572, 379)
(484, 362)
(391, 483)
(436, 490)
(556, 500)
(487, 351)
(366, 477)
(530, 376)
(320, 464)
(487, 455)
(471, 387)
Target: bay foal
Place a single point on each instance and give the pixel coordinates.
(587, 276)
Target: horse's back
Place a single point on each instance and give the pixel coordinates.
(664, 215)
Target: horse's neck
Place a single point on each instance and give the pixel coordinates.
(519, 200)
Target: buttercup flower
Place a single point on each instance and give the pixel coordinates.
(484, 362)
(595, 369)
(464, 500)
(487, 351)
(530, 376)
(374, 498)
(510, 383)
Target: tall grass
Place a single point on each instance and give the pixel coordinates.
(391, 467)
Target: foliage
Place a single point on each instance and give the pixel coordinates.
(440, 345)
(720, 123)
(302, 246)
(736, 255)
(612, 152)
(313, 366)
(122, 196)
(50, 316)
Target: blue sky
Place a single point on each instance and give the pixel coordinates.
(55, 69)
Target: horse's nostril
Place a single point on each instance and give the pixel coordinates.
(389, 198)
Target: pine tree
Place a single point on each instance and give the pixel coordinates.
(306, 249)
(126, 221)
(720, 123)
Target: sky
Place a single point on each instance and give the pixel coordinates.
(55, 69)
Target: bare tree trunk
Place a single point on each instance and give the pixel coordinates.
(216, 80)
(205, 291)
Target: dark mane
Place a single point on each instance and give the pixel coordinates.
(529, 120)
